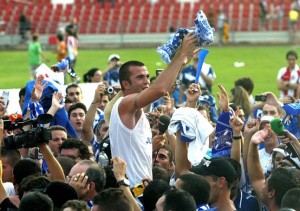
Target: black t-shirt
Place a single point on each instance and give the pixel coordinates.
(7, 204)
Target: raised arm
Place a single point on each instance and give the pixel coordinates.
(87, 130)
(255, 171)
(181, 150)
(119, 170)
(223, 98)
(182, 163)
(251, 127)
(165, 80)
(55, 168)
(38, 89)
(56, 104)
(237, 125)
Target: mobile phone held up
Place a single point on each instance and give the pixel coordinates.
(5, 96)
(260, 98)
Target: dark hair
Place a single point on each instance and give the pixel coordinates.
(60, 193)
(60, 37)
(171, 29)
(31, 183)
(124, 72)
(159, 173)
(75, 106)
(68, 100)
(246, 83)
(178, 200)
(274, 153)
(291, 199)
(291, 53)
(154, 190)
(35, 37)
(73, 143)
(69, 29)
(36, 201)
(13, 156)
(22, 92)
(58, 127)
(66, 163)
(111, 181)
(24, 168)
(281, 180)
(76, 205)
(96, 174)
(237, 167)
(169, 150)
(240, 98)
(87, 76)
(197, 186)
(112, 199)
(73, 85)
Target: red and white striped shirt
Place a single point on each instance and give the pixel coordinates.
(291, 76)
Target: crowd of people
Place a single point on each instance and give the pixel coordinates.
(152, 143)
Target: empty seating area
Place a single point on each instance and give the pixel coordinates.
(134, 16)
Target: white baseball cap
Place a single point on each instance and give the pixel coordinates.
(113, 56)
(266, 118)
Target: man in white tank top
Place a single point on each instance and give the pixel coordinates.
(129, 129)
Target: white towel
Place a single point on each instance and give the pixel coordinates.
(195, 129)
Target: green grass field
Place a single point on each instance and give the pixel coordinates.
(261, 64)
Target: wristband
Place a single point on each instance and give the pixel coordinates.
(236, 137)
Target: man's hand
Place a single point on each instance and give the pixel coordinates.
(98, 94)
(188, 47)
(56, 100)
(288, 138)
(251, 127)
(223, 98)
(260, 135)
(285, 100)
(193, 93)
(167, 108)
(272, 99)
(237, 125)
(38, 89)
(157, 142)
(119, 168)
(79, 183)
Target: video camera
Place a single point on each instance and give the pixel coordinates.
(30, 138)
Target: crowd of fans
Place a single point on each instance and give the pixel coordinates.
(152, 143)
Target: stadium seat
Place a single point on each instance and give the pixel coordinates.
(243, 15)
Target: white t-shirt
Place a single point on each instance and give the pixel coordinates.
(134, 146)
(265, 159)
(72, 46)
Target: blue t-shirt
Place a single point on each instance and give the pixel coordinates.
(188, 75)
(112, 77)
(246, 202)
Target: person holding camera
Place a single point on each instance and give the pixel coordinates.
(130, 132)
(111, 73)
(101, 98)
